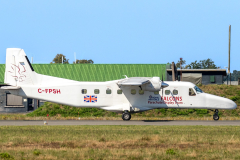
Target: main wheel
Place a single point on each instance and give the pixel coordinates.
(216, 117)
(126, 116)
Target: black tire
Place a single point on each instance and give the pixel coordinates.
(126, 116)
(215, 117)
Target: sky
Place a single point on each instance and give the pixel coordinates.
(122, 31)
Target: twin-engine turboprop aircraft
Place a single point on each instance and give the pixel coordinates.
(129, 95)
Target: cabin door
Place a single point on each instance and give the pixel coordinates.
(196, 99)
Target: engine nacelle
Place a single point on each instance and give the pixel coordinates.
(153, 86)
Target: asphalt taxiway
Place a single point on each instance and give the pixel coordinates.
(118, 122)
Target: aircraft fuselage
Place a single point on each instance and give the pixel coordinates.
(109, 96)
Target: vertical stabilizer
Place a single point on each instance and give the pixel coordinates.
(18, 70)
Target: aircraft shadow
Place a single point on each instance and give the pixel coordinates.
(157, 120)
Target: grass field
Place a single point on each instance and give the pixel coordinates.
(120, 142)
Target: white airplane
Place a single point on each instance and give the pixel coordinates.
(129, 95)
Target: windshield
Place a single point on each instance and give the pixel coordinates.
(198, 90)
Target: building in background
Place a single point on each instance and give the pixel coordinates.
(13, 104)
(198, 76)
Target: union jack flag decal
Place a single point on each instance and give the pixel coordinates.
(90, 99)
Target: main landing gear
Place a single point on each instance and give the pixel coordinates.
(126, 116)
(215, 116)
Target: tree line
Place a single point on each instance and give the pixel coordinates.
(60, 58)
(206, 64)
(202, 64)
(235, 75)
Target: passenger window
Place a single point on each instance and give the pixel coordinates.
(167, 92)
(191, 92)
(96, 91)
(141, 92)
(119, 91)
(84, 91)
(175, 92)
(108, 91)
(133, 91)
(156, 92)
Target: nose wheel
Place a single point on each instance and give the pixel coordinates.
(126, 116)
(216, 116)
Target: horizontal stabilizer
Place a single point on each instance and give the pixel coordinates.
(10, 87)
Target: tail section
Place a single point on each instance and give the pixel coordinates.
(18, 70)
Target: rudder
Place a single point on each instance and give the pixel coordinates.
(18, 70)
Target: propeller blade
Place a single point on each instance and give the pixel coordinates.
(161, 85)
(164, 85)
(162, 92)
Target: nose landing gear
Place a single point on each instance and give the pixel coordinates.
(126, 116)
(215, 116)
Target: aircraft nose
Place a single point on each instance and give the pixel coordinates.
(220, 102)
(232, 105)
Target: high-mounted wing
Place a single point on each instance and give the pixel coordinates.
(145, 83)
(134, 81)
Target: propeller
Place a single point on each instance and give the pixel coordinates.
(163, 85)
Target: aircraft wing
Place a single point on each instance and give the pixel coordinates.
(134, 81)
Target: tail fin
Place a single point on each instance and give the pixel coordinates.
(18, 70)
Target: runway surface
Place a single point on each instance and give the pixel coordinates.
(108, 122)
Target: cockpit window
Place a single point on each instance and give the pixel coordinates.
(191, 92)
(198, 90)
